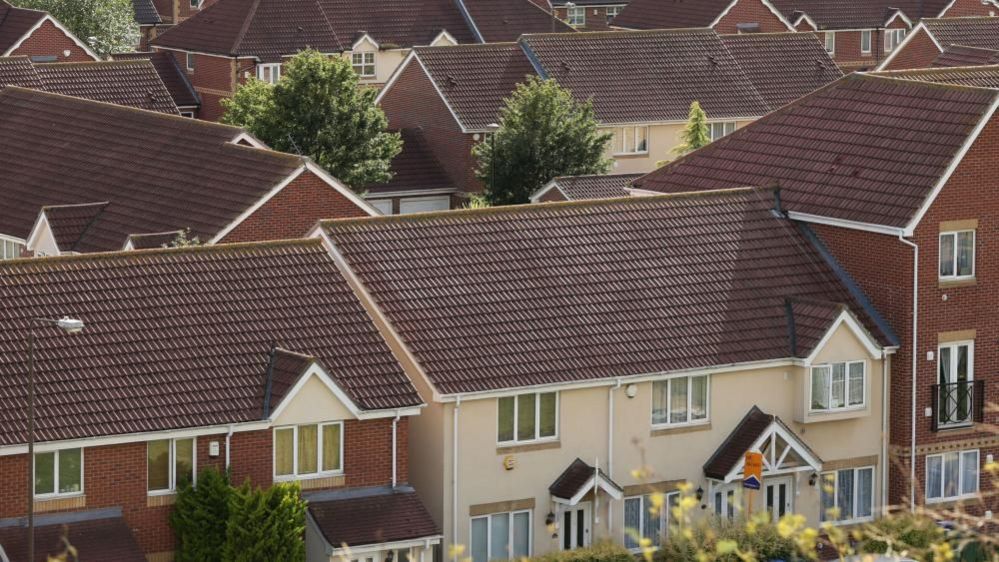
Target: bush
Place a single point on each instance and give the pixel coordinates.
(900, 533)
(265, 525)
(725, 539)
(604, 551)
(199, 517)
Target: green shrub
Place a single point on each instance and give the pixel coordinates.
(900, 533)
(199, 517)
(603, 551)
(763, 539)
(265, 525)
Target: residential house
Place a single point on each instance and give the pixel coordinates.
(230, 40)
(453, 94)
(724, 16)
(958, 55)
(131, 83)
(589, 15)
(110, 179)
(174, 78)
(419, 183)
(932, 37)
(889, 173)
(38, 35)
(256, 358)
(148, 20)
(599, 338)
(576, 188)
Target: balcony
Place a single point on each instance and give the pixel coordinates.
(958, 404)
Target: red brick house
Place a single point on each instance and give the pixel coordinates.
(110, 179)
(887, 173)
(173, 77)
(589, 15)
(38, 35)
(300, 387)
(724, 16)
(932, 37)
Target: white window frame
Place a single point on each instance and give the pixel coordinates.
(960, 475)
(55, 476)
(954, 233)
(188, 114)
(953, 346)
(846, 388)
(621, 132)
(537, 419)
(275, 72)
(615, 9)
(724, 126)
(690, 398)
(12, 244)
(172, 465)
(664, 519)
(359, 67)
(489, 530)
(189, 62)
(829, 41)
(856, 495)
(196, 4)
(320, 473)
(868, 35)
(720, 498)
(894, 38)
(576, 16)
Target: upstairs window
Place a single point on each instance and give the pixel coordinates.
(893, 38)
(952, 475)
(831, 42)
(631, 140)
(838, 386)
(528, 417)
(195, 4)
(865, 41)
(190, 62)
(957, 254)
(847, 495)
(308, 450)
(364, 64)
(613, 11)
(169, 462)
(59, 473)
(680, 400)
(10, 249)
(575, 16)
(269, 73)
(719, 130)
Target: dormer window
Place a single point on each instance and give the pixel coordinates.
(575, 16)
(364, 64)
(838, 386)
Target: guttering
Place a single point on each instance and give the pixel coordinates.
(610, 445)
(848, 224)
(914, 350)
(228, 442)
(885, 372)
(454, 479)
(395, 447)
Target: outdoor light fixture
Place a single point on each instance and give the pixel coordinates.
(813, 479)
(699, 493)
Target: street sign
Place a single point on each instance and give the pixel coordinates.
(752, 473)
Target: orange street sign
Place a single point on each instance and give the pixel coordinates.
(752, 473)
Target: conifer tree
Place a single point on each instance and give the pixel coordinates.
(265, 525)
(199, 517)
(696, 133)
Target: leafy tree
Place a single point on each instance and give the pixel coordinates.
(696, 133)
(183, 240)
(199, 517)
(265, 525)
(106, 26)
(317, 109)
(544, 133)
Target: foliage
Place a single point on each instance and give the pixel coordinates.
(544, 133)
(199, 517)
(730, 541)
(695, 133)
(477, 201)
(265, 525)
(106, 26)
(317, 109)
(183, 240)
(603, 551)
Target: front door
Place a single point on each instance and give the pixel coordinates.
(576, 526)
(779, 496)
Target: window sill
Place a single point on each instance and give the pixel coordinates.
(850, 522)
(957, 282)
(956, 430)
(527, 447)
(627, 155)
(660, 430)
(59, 503)
(159, 499)
(314, 482)
(952, 501)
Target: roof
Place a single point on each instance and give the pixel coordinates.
(562, 3)
(866, 148)
(15, 23)
(100, 535)
(670, 14)
(145, 12)
(173, 77)
(371, 516)
(506, 20)
(959, 55)
(575, 479)
(783, 66)
(179, 338)
(980, 32)
(575, 188)
(152, 240)
(414, 168)
(745, 434)
(979, 76)
(590, 290)
(71, 223)
(858, 14)
(106, 153)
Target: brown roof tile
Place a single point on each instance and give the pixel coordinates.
(980, 32)
(371, 516)
(670, 14)
(866, 148)
(749, 429)
(173, 77)
(959, 55)
(97, 535)
(415, 168)
(573, 478)
(858, 14)
(506, 20)
(145, 12)
(129, 83)
(575, 188)
(978, 76)
(15, 23)
(564, 292)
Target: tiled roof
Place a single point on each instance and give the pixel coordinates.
(562, 3)
(574, 478)
(15, 23)
(565, 292)
(783, 66)
(506, 20)
(173, 77)
(148, 241)
(145, 12)
(187, 175)
(980, 32)
(371, 516)
(575, 188)
(97, 535)
(749, 429)
(979, 76)
(19, 71)
(70, 223)
(181, 338)
(858, 14)
(959, 55)
(670, 14)
(866, 148)
(415, 168)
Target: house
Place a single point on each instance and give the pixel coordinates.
(187, 100)
(453, 94)
(110, 179)
(419, 183)
(576, 188)
(959, 55)
(724, 16)
(601, 337)
(297, 386)
(148, 20)
(38, 35)
(889, 172)
(230, 40)
(932, 36)
(132, 83)
(589, 15)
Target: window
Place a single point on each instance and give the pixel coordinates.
(169, 462)
(680, 400)
(847, 495)
(528, 417)
(501, 536)
(613, 11)
(957, 254)
(839, 386)
(719, 130)
(576, 16)
(893, 37)
(725, 503)
(956, 366)
(363, 63)
(59, 473)
(951, 475)
(195, 4)
(642, 520)
(190, 62)
(831, 42)
(308, 450)
(188, 114)
(10, 249)
(631, 140)
(269, 73)
(865, 41)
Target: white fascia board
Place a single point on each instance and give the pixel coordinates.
(340, 187)
(443, 35)
(395, 76)
(765, 3)
(898, 13)
(793, 440)
(545, 189)
(410, 193)
(805, 17)
(250, 139)
(256, 206)
(41, 225)
(364, 38)
(398, 72)
(844, 223)
(846, 317)
(905, 42)
(203, 53)
(447, 104)
(355, 551)
(60, 27)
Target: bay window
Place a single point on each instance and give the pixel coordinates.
(838, 386)
(631, 140)
(952, 475)
(169, 462)
(643, 520)
(528, 417)
(957, 254)
(59, 473)
(680, 400)
(501, 536)
(308, 450)
(847, 495)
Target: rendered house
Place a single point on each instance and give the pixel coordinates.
(932, 37)
(582, 365)
(575, 188)
(589, 15)
(231, 40)
(452, 94)
(889, 172)
(38, 35)
(111, 179)
(263, 362)
(174, 78)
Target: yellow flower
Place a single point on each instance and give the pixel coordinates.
(456, 550)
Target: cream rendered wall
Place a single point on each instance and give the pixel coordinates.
(663, 138)
(387, 60)
(314, 403)
(45, 244)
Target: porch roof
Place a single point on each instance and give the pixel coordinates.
(751, 434)
(578, 479)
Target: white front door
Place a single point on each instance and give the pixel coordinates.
(576, 526)
(779, 496)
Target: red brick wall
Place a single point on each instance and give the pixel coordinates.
(295, 210)
(212, 78)
(967, 8)
(919, 52)
(750, 11)
(49, 40)
(596, 18)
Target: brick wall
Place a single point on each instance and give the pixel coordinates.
(919, 52)
(596, 18)
(967, 8)
(295, 210)
(213, 78)
(49, 40)
(750, 11)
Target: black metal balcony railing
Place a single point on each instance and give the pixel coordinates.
(958, 403)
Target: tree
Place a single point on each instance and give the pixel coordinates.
(265, 525)
(106, 26)
(317, 109)
(696, 133)
(199, 517)
(544, 133)
(183, 239)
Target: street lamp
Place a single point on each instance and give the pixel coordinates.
(69, 326)
(492, 128)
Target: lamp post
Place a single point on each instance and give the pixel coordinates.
(69, 326)
(492, 128)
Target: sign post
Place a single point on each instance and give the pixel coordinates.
(752, 477)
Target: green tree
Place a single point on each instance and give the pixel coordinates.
(106, 26)
(265, 525)
(696, 133)
(544, 133)
(199, 517)
(317, 109)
